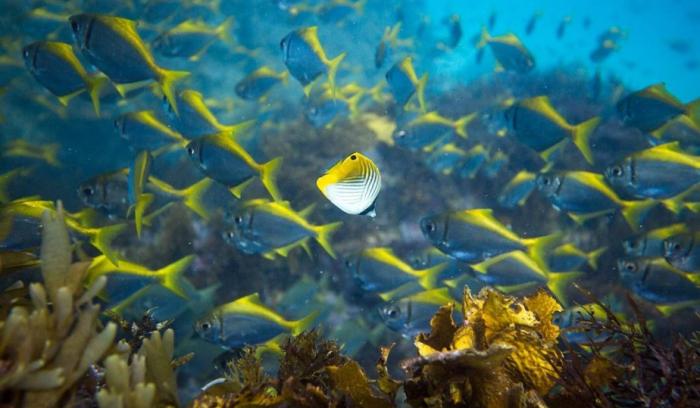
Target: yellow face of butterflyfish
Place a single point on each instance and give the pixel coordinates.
(352, 184)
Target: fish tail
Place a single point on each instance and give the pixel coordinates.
(143, 201)
(224, 31)
(353, 103)
(268, 176)
(300, 325)
(271, 346)
(672, 308)
(430, 275)
(194, 197)
(94, 85)
(484, 39)
(462, 123)
(581, 137)
(103, 241)
(593, 257)
(420, 91)
(558, 282)
(167, 80)
(538, 247)
(333, 70)
(171, 275)
(65, 99)
(693, 110)
(635, 211)
(323, 235)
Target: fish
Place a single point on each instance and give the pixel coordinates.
(404, 83)
(10, 177)
(191, 39)
(475, 159)
(446, 158)
(336, 11)
(538, 125)
(515, 270)
(322, 110)
(660, 172)
(352, 185)
(54, 65)
(568, 257)
(380, 270)
(651, 243)
(561, 28)
(454, 27)
(258, 83)
(681, 252)
(518, 189)
(142, 130)
(223, 159)
(685, 129)
(584, 195)
(169, 276)
(412, 314)
(532, 22)
(113, 45)
(390, 41)
(658, 282)
(139, 172)
(453, 233)
(22, 148)
(603, 51)
(428, 129)
(649, 108)
(305, 58)
(247, 321)
(195, 118)
(272, 228)
(510, 53)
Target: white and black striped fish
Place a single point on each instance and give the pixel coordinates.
(352, 184)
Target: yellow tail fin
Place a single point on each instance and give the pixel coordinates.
(430, 276)
(94, 85)
(194, 197)
(558, 282)
(268, 176)
(171, 275)
(332, 69)
(323, 236)
(593, 257)
(538, 247)
(462, 123)
(672, 308)
(143, 201)
(420, 92)
(102, 240)
(581, 137)
(167, 80)
(635, 211)
(484, 39)
(299, 326)
(224, 32)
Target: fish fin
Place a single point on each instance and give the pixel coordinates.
(672, 308)
(304, 244)
(306, 211)
(148, 219)
(224, 32)
(94, 85)
(50, 155)
(103, 241)
(271, 346)
(353, 102)
(635, 211)
(581, 136)
(548, 155)
(405, 289)
(692, 109)
(540, 246)
(462, 123)
(284, 251)
(429, 278)
(124, 89)
(194, 197)
(65, 99)
(593, 257)
(171, 275)
(143, 201)
(268, 176)
(167, 80)
(332, 69)
(420, 92)
(122, 306)
(694, 207)
(323, 235)
(237, 191)
(580, 218)
(558, 282)
(299, 326)
(484, 38)
(270, 256)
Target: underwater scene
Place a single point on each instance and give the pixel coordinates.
(349, 203)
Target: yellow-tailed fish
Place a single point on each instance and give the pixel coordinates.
(427, 130)
(404, 83)
(139, 172)
(21, 148)
(509, 52)
(259, 82)
(352, 185)
(143, 130)
(191, 39)
(649, 108)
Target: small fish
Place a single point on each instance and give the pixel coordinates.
(660, 172)
(648, 109)
(259, 82)
(139, 172)
(195, 118)
(474, 161)
(539, 126)
(247, 321)
(322, 110)
(509, 52)
(336, 11)
(515, 271)
(656, 281)
(390, 41)
(169, 276)
(683, 129)
(455, 29)
(221, 158)
(681, 252)
(532, 22)
(603, 51)
(568, 257)
(274, 228)
(412, 314)
(191, 39)
(404, 83)
(21, 148)
(55, 66)
(518, 190)
(651, 243)
(144, 131)
(446, 158)
(352, 185)
(561, 28)
(306, 59)
(379, 269)
(429, 129)
(113, 45)
(453, 233)
(584, 195)
(493, 17)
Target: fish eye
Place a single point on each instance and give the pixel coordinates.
(88, 191)
(190, 150)
(430, 226)
(229, 234)
(26, 53)
(546, 181)
(206, 326)
(353, 157)
(74, 25)
(238, 219)
(401, 133)
(348, 263)
(616, 171)
(630, 266)
(393, 312)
